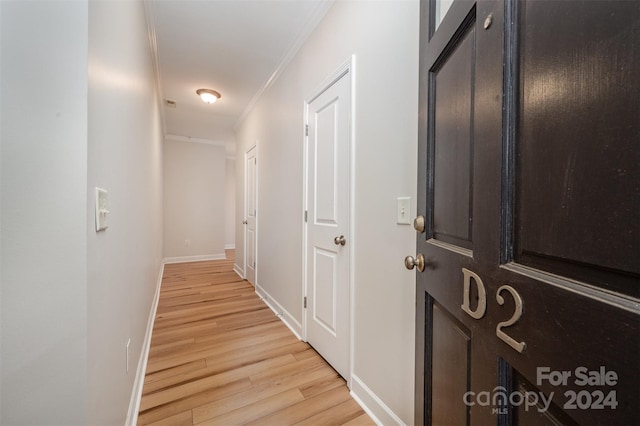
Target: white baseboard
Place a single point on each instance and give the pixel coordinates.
(238, 270)
(229, 246)
(283, 314)
(200, 258)
(136, 394)
(372, 404)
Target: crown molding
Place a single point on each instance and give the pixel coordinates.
(313, 21)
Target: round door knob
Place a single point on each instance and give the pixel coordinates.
(418, 224)
(244, 222)
(340, 241)
(410, 262)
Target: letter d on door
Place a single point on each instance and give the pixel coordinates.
(482, 295)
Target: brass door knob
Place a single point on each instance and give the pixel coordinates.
(418, 224)
(410, 262)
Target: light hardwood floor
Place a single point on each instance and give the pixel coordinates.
(219, 356)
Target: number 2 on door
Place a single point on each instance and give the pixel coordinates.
(481, 309)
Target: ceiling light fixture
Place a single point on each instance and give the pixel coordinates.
(208, 96)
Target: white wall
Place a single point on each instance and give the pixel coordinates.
(125, 158)
(230, 204)
(384, 38)
(194, 200)
(79, 109)
(44, 222)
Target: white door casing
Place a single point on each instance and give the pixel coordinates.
(328, 169)
(250, 214)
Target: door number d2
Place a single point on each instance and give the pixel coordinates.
(481, 309)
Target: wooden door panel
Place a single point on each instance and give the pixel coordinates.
(564, 331)
(452, 115)
(536, 407)
(577, 142)
(451, 370)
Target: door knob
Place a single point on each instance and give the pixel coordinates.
(340, 241)
(410, 262)
(244, 222)
(418, 224)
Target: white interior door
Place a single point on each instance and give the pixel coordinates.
(328, 229)
(250, 212)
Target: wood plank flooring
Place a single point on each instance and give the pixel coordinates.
(219, 356)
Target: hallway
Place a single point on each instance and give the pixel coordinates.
(77, 324)
(219, 355)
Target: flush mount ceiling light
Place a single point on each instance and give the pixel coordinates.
(208, 96)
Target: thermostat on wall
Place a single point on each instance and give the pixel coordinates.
(101, 209)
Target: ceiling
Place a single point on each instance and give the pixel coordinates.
(235, 47)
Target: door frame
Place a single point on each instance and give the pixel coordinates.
(246, 202)
(346, 69)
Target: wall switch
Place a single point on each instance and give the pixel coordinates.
(102, 209)
(404, 210)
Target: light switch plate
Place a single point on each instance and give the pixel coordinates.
(404, 210)
(102, 209)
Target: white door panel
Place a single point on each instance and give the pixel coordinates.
(325, 286)
(325, 192)
(328, 186)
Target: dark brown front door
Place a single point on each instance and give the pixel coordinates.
(528, 309)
